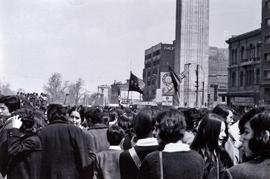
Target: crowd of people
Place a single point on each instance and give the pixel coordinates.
(53, 141)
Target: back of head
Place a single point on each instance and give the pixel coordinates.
(144, 123)
(115, 134)
(172, 126)
(221, 110)
(12, 102)
(93, 115)
(56, 112)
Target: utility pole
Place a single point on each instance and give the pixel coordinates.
(203, 93)
(197, 84)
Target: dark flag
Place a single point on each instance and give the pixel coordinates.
(136, 84)
(175, 79)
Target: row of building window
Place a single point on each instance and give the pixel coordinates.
(156, 62)
(155, 53)
(247, 54)
(267, 4)
(246, 78)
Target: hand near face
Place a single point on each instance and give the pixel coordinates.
(15, 122)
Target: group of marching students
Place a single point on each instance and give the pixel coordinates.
(97, 142)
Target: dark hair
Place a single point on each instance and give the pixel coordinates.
(93, 115)
(12, 102)
(77, 109)
(172, 126)
(115, 134)
(192, 116)
(144, 123)
(27, 117)
(247, 116)
(56, 112)
(208, 133)
(260, 124)
(221, 110)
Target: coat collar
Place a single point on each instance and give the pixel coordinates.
(58, 121)
(151, 141)
(98, 126)
(115, 147)
(176, 147)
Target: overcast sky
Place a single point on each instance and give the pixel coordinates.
(98, 40)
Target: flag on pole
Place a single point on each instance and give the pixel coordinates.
(176, 80)
(136, 84)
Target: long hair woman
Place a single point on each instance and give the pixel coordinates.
(209, 142)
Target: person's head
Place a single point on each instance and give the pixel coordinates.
(225, 112)
(75, 118)
(255, 135)
(27, 116)
(212, 133)
(172, 126)
(143, 123)
(93, 115)
(192, 116)
(8, 104)
(115, 134)
(56, 112)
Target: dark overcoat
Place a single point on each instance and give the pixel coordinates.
(65, 154)
(24, 151)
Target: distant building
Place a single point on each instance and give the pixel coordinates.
(249, 67)
(265, 62)
(157, 59)
(119, 93)
(218, 75)
(105, 92)
(191, 50)
(245, 68)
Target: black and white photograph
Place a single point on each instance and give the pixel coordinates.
(134, 89)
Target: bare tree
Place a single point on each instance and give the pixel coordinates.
(75, 92)
(55, 88)
(5, 89)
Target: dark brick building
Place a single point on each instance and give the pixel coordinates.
(157, 59)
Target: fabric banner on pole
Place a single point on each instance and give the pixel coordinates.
(136, 84)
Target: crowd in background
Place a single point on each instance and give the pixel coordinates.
(52, 141)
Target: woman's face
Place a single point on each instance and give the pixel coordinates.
(229, 118)
(75, 118)
(245, 138)
(222, 134)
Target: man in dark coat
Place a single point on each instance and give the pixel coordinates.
(65, 154)
(130, 160)
(97, 133)
(8, 104)
(24, 147)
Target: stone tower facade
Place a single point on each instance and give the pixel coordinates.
(191, 51)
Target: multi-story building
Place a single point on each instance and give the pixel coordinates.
(245, 68)
(218, 75)
(249, 68)
(191, 51)
(157, 60)
(265, 62)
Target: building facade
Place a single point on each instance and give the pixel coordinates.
(218, 76)
(191, 51)
(245, 68)
(157, 59)
(265, 62)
